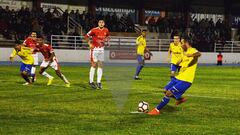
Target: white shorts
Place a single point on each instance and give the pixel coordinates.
(54, 64)
(96, 55)
(35, 59)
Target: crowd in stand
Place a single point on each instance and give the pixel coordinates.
(21, 22)
(204, 32)
(114, 22)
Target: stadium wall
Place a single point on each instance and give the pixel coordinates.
(82, 56)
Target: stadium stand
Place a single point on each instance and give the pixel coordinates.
(206, 34)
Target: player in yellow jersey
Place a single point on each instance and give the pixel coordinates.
(141, 49)
(25, 54)
(175, 52)
(178, 85)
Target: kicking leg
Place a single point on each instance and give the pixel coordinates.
(60, 75)
(164, 102)
(42, 72)
(25, 77)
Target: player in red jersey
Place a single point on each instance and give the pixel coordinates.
(31, 42)
(49, 60)
(99, 35)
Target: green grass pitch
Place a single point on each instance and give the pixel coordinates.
(213, 105)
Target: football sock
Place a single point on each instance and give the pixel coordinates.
(47, 75)
(99, 75)
(91, 74)
(164, 102)
(64, 78)
(138, 70)
(33, 70)
(25, 77)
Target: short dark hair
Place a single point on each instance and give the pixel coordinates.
(143, 30)
(101, 20)
(176, 34)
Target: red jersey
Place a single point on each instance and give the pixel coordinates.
(46, 51)
(219, 57)
(29, 42)
(99, 36)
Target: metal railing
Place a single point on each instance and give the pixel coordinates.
(71, 23)
(227, 46)
(116, 43)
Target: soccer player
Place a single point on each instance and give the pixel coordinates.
(141, 49)
(25, 54)
(49, 60)
(179, 84)
(31, 43)
(99, 35)
(175, 52)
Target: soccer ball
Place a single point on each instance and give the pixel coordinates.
(143, 107)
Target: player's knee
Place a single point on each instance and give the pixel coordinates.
(172, 73)
(168, 93)
(58, 72)
(141, 63)
(94, 65)
(40, 72)
(100, 65)
(24, 73)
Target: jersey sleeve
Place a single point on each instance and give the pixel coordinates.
(89, 34)
(171, 47)
(138, 40)
(107, 33)
(26, 42)
(50, 49)
(14, 53)
(194, 50)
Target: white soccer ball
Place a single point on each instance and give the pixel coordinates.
(143, 107)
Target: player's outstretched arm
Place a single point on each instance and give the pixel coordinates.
(197, 54)
(195, 58)
(13, 54)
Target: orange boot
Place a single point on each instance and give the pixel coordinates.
(154, 111)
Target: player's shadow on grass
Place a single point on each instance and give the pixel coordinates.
(170, 109)
(85, 86)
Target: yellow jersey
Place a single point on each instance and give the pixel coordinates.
(25, 54)
(176, 53)
(141, 45)
(187, 72)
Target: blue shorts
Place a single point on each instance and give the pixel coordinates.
(174, 67)
(140, 58)
(177, 87)
(25, 68)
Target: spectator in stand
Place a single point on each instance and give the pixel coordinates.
(36, 27)
(77, 16)
(130, 24)
(152, 24)
(72, 14)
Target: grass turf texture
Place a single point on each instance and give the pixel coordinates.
(212, 108)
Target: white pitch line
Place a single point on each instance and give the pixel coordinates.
(211, 97)
(136, 112)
